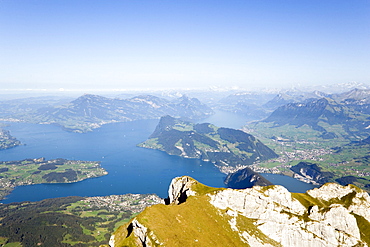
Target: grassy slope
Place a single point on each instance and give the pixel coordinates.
(222, 144)
(197, 223)
(193, 223)
(69, 221)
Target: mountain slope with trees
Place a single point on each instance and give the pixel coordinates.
(222, 146)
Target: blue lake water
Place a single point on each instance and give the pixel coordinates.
(131, 169)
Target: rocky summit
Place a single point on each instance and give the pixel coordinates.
(197, 215)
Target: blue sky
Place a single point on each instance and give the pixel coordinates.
(88, 44)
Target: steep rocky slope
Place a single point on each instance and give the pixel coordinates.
(197, 215)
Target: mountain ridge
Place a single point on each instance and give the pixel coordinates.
(89, 111)
(318, 113)
(222, 146)
(332, 215)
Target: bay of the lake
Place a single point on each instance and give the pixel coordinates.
(131, 169)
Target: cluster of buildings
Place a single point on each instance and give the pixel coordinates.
(133, 202)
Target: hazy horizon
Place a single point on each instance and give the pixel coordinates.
(87, 46)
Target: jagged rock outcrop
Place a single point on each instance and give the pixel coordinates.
(180, 190)
(283, 217)
(332, 215)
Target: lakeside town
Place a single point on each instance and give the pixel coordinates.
(128, 202)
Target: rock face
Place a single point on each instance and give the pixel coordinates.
(284, 218)
(180, 190)
(332, 215)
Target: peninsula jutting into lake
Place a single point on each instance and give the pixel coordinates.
(37, 171)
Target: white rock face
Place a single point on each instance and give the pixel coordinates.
(180, 189)
(140, 232)
(361, 205)
(111, 241)
(272, 216)
(330, 191)
(284, 219)
(255, 203)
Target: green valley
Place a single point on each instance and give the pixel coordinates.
(331, 135)
(69, 221)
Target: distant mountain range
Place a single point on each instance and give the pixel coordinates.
(249, 104)
(321, 139)
(349, 112)
(29, 104)
(293, 97)
(257, 106)
(91, 111)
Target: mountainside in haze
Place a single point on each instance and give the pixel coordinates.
(336, 88)
(321, 114)
(293, 97)
(259, 105)
(320, 140)
(222, 146)
(30, 104)
(197, 215)
(91, 111)
(248, 104)
(359, 96)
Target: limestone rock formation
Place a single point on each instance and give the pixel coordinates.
(332, 215)
(180, 190)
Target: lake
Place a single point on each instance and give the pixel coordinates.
(131, 169)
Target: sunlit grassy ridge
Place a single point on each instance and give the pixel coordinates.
(196, 222)
(192, 223)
